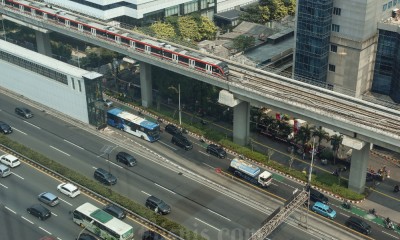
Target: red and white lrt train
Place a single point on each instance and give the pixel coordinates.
(174, 54)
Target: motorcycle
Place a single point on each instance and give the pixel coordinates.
(346, 205)
(388, 224)
(373, 212)
(396, 188)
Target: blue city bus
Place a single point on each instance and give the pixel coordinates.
(133, 124)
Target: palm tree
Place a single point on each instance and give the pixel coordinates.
(336, 141)
(321, 134)
(304, 135)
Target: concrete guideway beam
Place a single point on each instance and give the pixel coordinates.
(241, 123)
(146, 84)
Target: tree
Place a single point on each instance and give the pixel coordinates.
(207, 28)
(277, 8)
(336, 141)
(303, 135)
(291, 7)
(256, 14)
(188, 28)
(243, 42)
(321, 134)
(163, 30)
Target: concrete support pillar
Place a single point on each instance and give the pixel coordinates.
(43, 43)
(241, 123)
(358, 169)
(146, 84)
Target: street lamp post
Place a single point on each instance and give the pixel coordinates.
(309, 180)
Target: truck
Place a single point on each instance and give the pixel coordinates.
(250, 173)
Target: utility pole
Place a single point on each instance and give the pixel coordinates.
(179, 104)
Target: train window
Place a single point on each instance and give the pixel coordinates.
(156, 50)
(183, 59)
(168, 54)
(200, 65)
(86, 28)
(140, 45)
(132, 44)
(216, 70)
(93, 31)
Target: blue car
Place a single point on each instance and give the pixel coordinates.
(324, 210)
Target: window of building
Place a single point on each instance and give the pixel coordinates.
(191, 7)
(206, 3)
(333, 48)
(337, 11)
(172, 11)
(332, 68)
(335, 28)
(384, 7)
(79, 85)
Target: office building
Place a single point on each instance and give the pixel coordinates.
(350, 46)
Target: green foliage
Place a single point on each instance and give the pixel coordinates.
(188, 28)
(207, 28)
(243, 42)
(163, 30)
(61, 49)
(101, 189)
(278, 9)
(256, 14)
(291, 7)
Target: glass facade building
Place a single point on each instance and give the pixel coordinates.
(314, 24)
(387, 65)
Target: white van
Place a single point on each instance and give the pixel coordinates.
(10, 160)
(4, 170)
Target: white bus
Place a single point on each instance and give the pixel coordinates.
(133, 124)
(101, 223)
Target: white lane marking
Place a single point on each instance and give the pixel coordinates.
(390, 235)
(59, 238)
(94, 167)
(27, 220)
(65, 202)
(209, 166)
(73, 144)
(9, 209)
(167, 145)
(45, 231)
(3, 185)
(166, 189)
(54, 214)
(19, 131)
(17, 175)
(204, 153)
(208, 224)
(60, 151)
(344, 214)
(33, 125)
(114, 164)
(219, 215)
(146, 193)
(274, 184)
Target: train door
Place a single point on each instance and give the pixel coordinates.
(192, 63)
(175, 58)
(147, 49)
(132, 44)
(80, 27)
(209, 69)
(93, 31)
(21, 8)
(33, 12)
(67, 23)
(3, 2)
(45, 16)
(117, 39)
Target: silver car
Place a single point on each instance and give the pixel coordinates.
(48, 198)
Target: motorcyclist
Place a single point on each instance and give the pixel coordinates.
(396, 188)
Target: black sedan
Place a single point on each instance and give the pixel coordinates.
(5, 128)
(216, 150)
(39, 211)
(172, 129)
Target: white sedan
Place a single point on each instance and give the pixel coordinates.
(69, 189)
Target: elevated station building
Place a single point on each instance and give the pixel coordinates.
(65, 88)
